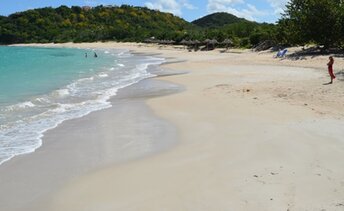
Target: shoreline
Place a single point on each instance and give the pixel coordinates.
(85, 144)
(252, 137)
(157, 73)
(132, 133)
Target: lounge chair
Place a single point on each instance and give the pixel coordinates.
(281, 53)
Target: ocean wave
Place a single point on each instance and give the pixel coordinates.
(27, 104)
(61, 93)
(103, 75)
(42, 100)
(18, 106)
(86, 79)
(124, 54)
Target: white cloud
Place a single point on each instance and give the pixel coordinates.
(187, 5)
(171, 6)
(247, 11)
(278, 5)
(92, 2)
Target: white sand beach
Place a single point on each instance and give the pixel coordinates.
(249, 132)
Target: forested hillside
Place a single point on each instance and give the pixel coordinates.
(318, 22)
(242, 32)
(77, 24)
(216, 20)
(124, 23)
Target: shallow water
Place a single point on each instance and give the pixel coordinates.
(42, 87)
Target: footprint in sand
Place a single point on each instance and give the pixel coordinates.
(223, 86)
(218, 89)
(340, 205)
(282, 95)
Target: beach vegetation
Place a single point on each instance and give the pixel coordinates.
(217, 20)
(320, 22)
(79, 24)
(125, 23)
(313, 21)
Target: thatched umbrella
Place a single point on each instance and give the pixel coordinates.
(206, 42)
(213, 42)
(190, 42)
(227, 42)
(182, 42)
(196, 43)
(185, 43)
(149, 40)
(164, 42)
(155, 41)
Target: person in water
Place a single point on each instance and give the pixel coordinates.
(330, 69)
(95, 55)
(85, 55)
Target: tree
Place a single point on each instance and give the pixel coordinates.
(317, 21)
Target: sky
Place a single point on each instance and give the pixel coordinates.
(255, 10)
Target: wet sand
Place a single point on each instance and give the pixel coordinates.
(126, 132)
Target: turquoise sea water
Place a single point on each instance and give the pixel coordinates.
(25, 72)
(42, 87)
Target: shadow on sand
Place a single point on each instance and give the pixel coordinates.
(314, 52)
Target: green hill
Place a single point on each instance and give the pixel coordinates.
(126, 23)
(217, 20)
(86, 24)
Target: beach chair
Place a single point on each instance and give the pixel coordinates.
(281, 53)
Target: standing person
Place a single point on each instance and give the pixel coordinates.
(330, 68)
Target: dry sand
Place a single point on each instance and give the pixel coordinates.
(256, 133)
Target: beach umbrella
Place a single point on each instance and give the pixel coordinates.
(183, 42)
(148, 40)
(197, 42)
(167, 42)
(213, 42)
(163, 42)
(189, 42)
(227, 42)
(207, 43)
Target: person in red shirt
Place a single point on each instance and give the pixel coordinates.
(330, 69)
